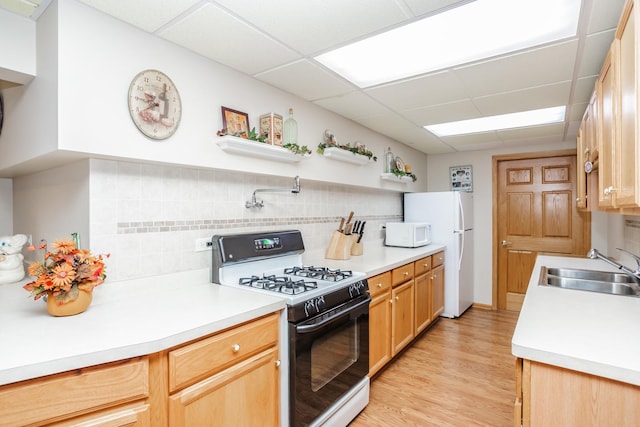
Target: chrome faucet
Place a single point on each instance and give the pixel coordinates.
(254, 203)
(635, 274)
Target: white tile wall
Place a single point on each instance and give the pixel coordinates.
(149, 216)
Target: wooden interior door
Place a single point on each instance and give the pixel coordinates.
(535, 213)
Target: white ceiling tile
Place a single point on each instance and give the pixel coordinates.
(532, 133)
(461, 110)
(433, 89)
(424, 7)
(524, 100)
(595, 50)
(536, 67)
(313, 26)
(472, 142)
(576, 112)
(604, 15)
(584, 89)
(145, 14)
(214, 41)
(399, 128)
(295, 78)
(353, 105)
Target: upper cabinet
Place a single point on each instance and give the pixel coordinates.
(608, 143)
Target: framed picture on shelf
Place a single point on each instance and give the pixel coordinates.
(235, 122)
(461, 178)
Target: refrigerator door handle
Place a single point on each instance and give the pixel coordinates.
(460, 249)
(460, 213)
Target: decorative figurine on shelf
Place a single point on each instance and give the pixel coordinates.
(11, 268)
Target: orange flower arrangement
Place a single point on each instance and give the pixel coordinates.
(65, 271)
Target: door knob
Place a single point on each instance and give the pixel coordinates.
(505, 243)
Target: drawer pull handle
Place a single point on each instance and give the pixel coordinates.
(236, 348)
(278, 363)
(379, 285)
(406, 273)
(397, 298)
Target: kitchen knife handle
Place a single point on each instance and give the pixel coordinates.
(350, 217)
(341, 225)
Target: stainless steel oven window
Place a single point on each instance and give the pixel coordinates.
(333, 354)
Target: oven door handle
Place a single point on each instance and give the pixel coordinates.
(307, 329)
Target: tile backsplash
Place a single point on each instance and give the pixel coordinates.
(148, 216)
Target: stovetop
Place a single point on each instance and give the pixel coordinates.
(271, 263)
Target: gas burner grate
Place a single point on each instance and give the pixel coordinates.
(283, 285)
(320, 273)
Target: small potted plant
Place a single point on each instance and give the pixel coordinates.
(67, 276)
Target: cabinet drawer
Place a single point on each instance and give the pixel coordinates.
(422, 265)
(379, 284)
(202, 358)
(84, 390)
(437, 259)
(401, 274)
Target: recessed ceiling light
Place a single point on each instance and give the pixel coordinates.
(476, 30)
(505, 121)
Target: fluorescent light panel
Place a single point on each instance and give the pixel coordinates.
(505, 121)
(476, 30)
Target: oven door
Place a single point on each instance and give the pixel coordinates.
(329, 355)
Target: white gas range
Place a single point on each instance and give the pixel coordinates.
(327, 316)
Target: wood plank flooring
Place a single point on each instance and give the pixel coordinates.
(460, 373)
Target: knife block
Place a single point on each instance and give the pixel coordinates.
(356, 248)
(339, 246)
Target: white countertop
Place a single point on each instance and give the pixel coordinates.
(375, 259)
(583, 331)
(125, 319)
(143, 316)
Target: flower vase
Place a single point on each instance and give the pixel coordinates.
(69, 308)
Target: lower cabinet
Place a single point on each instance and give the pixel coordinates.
(114, 394)
(227, 379)
(231, 378)
(404, 302)
(548, 395)
(379, 322)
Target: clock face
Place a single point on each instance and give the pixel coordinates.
(154, 104)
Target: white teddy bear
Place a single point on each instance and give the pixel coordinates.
(11, 268)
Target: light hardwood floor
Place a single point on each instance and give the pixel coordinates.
(460, 373)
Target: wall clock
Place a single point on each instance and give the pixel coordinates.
(154, 104)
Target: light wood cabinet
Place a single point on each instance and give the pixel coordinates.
(114, 394)
(402, 306)
(379, 322)
(231, 378)
(437, 291)
(422, 294)
(612, 121)
(402, 315)
(548, 395)
(587, 153)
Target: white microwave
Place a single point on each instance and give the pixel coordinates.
(407, 234)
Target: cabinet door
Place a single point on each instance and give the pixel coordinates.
(626, 151)
(581, 178)
(402, 316)
(379, 332)
(607, 131)
(422, 298)
(136, 415)
(437, 291)
(246, 394)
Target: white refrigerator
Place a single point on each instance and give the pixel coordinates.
(450, 214)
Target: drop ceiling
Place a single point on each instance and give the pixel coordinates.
(275, 42)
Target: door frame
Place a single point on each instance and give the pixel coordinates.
(494, 217)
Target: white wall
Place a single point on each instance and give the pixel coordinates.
(6, 207)
(18, 47)
(98, 56)
(54, 203)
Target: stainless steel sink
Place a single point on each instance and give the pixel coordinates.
(588, 280)
(600, 276)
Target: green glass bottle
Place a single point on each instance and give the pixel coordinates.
(290, 129)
